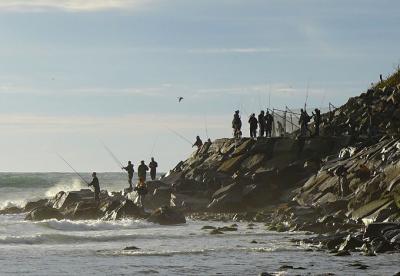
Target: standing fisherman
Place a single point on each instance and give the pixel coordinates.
(261, 123)
(237, 125)
(303, 121)
(253, 126)
(130, 171)
(269, 121)
(317, 120)
(142, 171)
(96, 186)
(198, 144)
(153, 169)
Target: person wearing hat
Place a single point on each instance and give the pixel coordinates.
(130, 171)
(142, 171)
(153, 169)
(96, 186)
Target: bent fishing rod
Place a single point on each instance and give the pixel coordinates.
(119, 163)
(179, 135)
(69, 165)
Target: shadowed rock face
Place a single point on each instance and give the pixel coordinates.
(167, 216)
(238, 174)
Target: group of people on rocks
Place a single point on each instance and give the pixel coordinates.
(305, 119)
(264, 124)
(265, 121)
(140, 187)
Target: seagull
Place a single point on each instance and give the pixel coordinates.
(180, 99)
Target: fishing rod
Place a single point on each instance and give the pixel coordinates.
(205, 125)
(69, 165)
(179, 135)
(119, 163)
(305, 103)
(154, 145)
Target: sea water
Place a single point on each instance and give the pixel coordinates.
(97, 247)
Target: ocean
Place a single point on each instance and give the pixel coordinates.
(97, 247)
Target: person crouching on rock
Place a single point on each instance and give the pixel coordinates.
(96, 186)
(141, 190)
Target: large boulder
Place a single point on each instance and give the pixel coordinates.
(126, 210)
(192, 203)
(85, 211)
(228, 198)
(43, 213)
(35, 204)
(65, 199)
(167, 216)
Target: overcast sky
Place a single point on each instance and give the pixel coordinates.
(76, 73)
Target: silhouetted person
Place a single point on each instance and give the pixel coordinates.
(153, 169)
(381, 78)
(281, 130)
(237, 125)
(253, 125)
(303, 121)
(198, 143)
(142, 171)
(269, 121)
(96, 186)
(130, 171)
(317, 120)
(261, 124)
(341, 172)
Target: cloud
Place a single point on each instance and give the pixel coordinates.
(69, 5)
(231, 50)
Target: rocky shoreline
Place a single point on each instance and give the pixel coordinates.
(288, 183)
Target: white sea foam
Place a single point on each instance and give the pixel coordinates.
(93, 225)
(65, 186)
(13, 203)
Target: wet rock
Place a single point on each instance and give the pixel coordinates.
(228, 198)
(43, 213)
(380, 245)
(208, 227)
(65, 199)
(127, 209)
(351, 243)
(11, 210)
(131, 248)
(375, 230)
(192, 203)
(342, 253)
(216, 232)
(85, 211)
(265, 274)
(227, 229)
(35, 204)
(167, 216)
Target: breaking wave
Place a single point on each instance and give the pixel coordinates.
(65, 186)
(97, 225)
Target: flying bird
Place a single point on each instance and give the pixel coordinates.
(180, 99)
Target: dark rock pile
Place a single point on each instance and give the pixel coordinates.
(380, 105)
(80, 205)
(234, 175)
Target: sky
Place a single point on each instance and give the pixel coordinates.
(77, 74)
